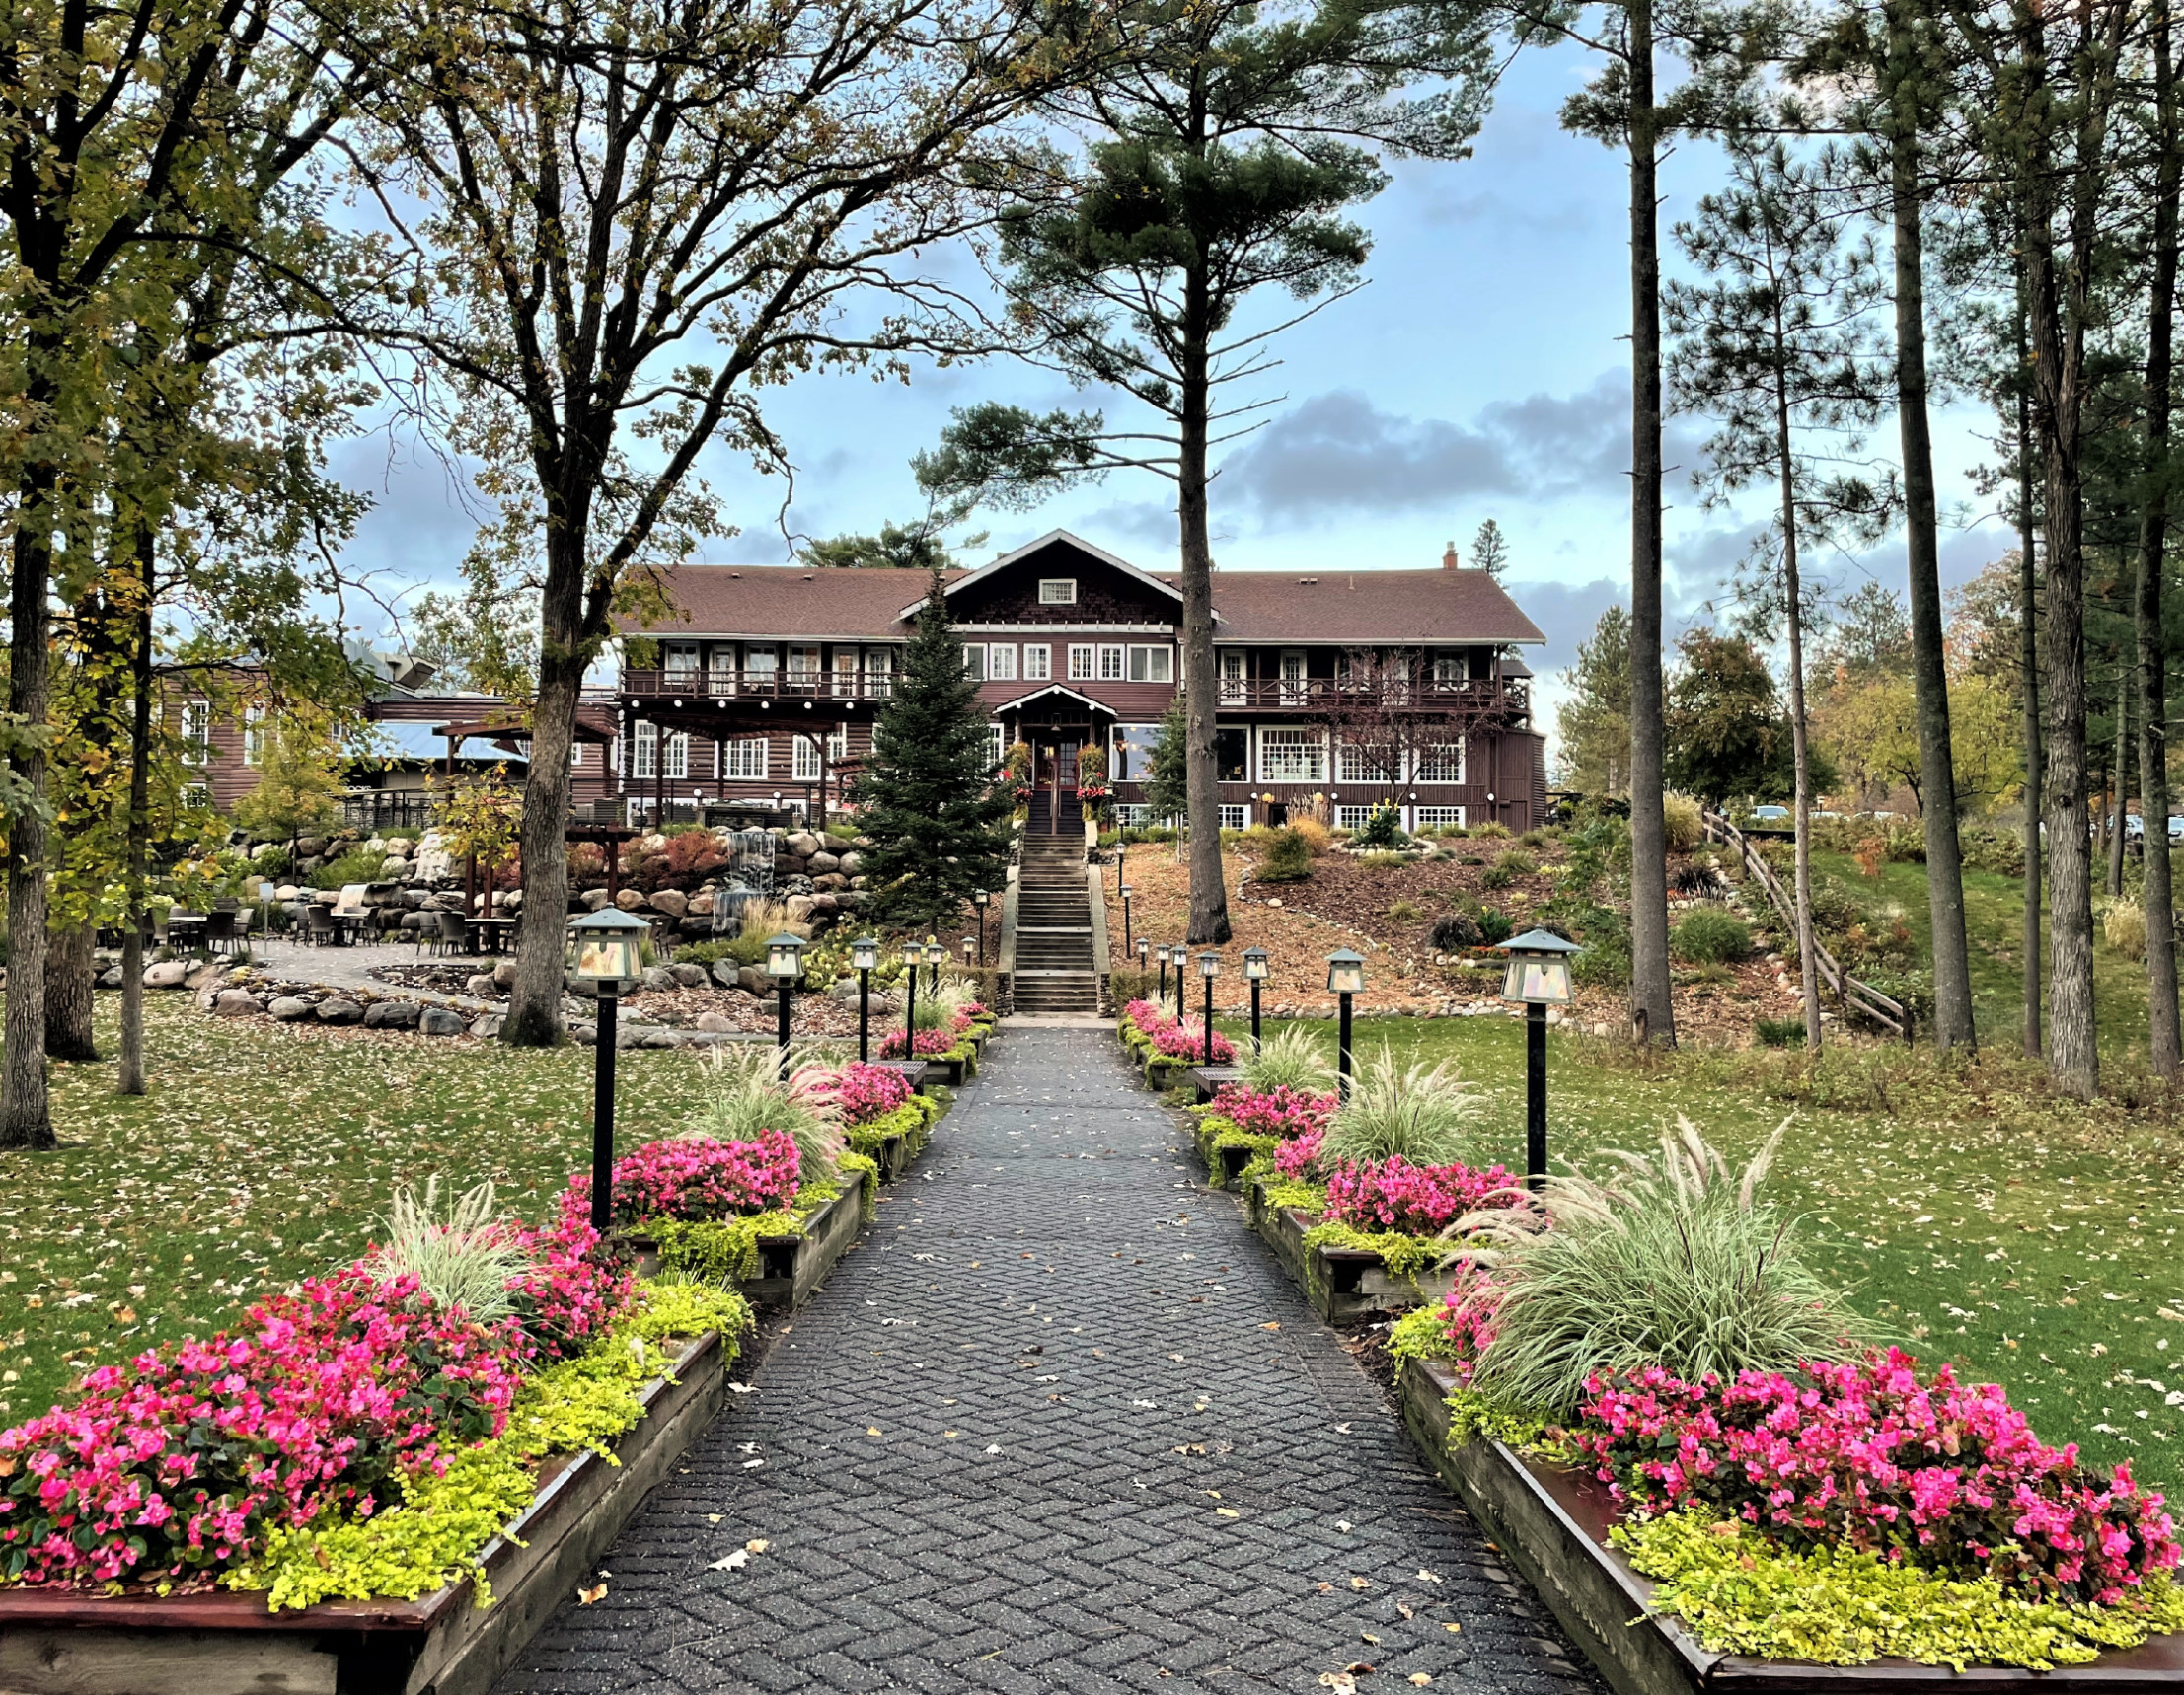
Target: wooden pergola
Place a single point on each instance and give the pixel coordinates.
(511, 734)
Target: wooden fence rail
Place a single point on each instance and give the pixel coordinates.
(1848, 990)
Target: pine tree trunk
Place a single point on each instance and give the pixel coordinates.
(1209, 893)
(26, 1121)
(1952, 974)
(1808, 962)
(2153, 655)
(1652, 1011)
(541, 970)
(70, 972)
(2073, 1062)
(2028, 661)
(131, 1078)
(2118, 828)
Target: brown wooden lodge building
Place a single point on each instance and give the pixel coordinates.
(1349, 685)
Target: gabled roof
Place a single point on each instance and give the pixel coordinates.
(1158, 584)
(1040, 694)
(775, 603)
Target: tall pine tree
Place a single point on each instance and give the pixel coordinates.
(938, 820)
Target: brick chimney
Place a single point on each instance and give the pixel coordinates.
(1447, 559)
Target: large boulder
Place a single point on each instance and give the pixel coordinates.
(696, 926)
(235, 1004)
(823, 903)
(844, 988)
(727, 974)
(340, 1010)
(701, 905)
(803, 844)
(673, 902)
(753, 978)
(111, 978)
(310, 847)
(714, 1023)
(505, 974)
(287, 892)
(850, 864)
(394, 866)
(822, 862)
(392, 1015)
(289, 1007)
(595, 900)
(205, 975)
(481, 983)
(689, 976)
(440, 1021)
(629, 900)
(583, 1035)
(798, 908)
(663, 1038)
(487, 1025)
(829, 882)
(398, 846)
(660, 977)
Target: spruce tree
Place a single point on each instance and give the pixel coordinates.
(938, 820)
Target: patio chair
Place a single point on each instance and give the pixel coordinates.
(219, 930)
(449, 934)
(246, 921)
(319, 927)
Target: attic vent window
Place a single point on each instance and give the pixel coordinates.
(1056, 591)
(1310, 583)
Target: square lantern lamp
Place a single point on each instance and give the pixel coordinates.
(1539, 973)
(864, 953)
(1254, 973)
(1345, 978)
(784, 958)
(610, 949)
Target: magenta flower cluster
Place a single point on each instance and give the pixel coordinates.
(695, 1178)
(1176, 1038)
(1945, 1474)
(930, 1044)
(172, 1467)
(1282, 1112)
(1298, 1158)
(1414, 1200)
(864, 1092)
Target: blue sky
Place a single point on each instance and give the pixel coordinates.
(1483, 372)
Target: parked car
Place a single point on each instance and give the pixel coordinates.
(1770, 815)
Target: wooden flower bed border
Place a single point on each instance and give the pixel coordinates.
(1340, 1283)
(1552, 1522)
(65, 1643)
(790, 1268)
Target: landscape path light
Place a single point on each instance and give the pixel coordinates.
(934, 954)
(913, 955)
(785, 963)
(1538, 977)
(1180, 953)
(1254, 971)
(979, 897)
(864, 956)
(1345, 977)
(609, 953)
(1124, 889)
(1209, 967)
(1161, 953)
(1144, 947)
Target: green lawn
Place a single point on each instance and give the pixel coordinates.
(258, 1158)
(1994, 923)
(2034, 1242)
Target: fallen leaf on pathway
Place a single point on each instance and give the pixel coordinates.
(741, 1389)
(1189, 1448)
(714, 1518)
(752, 1464)
(1275, 1325)
(1452, 1629)
(1403, 1608)
(1227, 1511)
(949, 1436)
(1342, 1524)
(1326, 1589)
(757, 1546)
(871, 1429)
(993, 1448)
(1339, 1681)
(1420, 1679)
(734, 1562)
(597, 1593)
(1359, 1584)
(1426, 1576)
(1368, 1635)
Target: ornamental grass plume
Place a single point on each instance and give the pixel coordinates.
(471, 1258)
(1291, 1060)
(1417, 1113)
(945, 1005)
(1675, 1265)
(747, 1096)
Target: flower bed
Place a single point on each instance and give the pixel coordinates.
(1166, 1045)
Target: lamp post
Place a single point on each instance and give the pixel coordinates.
(1209, 968)
(1161, 999)
(913, 955)
(979, 897)
(785, 963)
(1181, 953)
(934, 954)
(864, 955)
(1143, 948)
(1538, 976)
(1254, 970)
(967, 951)
(607, 957)
(1345, 977)
(1125, 892)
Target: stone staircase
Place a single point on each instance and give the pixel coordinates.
(1054, 929)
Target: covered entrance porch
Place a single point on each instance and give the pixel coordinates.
(1056, 724)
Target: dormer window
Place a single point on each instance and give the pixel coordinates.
(1056, 591)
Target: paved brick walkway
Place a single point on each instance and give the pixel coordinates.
(1039, 1433)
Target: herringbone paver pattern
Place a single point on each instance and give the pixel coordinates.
(1040, 1431)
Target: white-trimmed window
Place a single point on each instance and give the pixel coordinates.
(1235, 818)
(682, 663)
(196, 797)
(1110, 664)
(1133, 757)
(1080, 662)
(996, 752)
(1353, 817)
(1450, 669)
(880, 672)
(1293, 675)
(1130, 813)
(196, 732)
(1232, 676)
(1291, 756)
(805, 765)
(744, 761)
(1353, 763)
(1001, 662)
(804, 669)
(254, 735)
(845, 673)
(974, 660)
(678, 755)
(1056, 591)
(576, 754)
(720, 669)
(1152, 665)
(1039, 662)
(1441, 763)
(1436, 816)
(647, 752)
(759, 666)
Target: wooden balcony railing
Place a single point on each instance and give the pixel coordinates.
(715, 682)
(1338, 694)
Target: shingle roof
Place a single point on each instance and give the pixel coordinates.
(791, 603)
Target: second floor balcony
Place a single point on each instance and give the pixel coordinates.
(748, 682)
